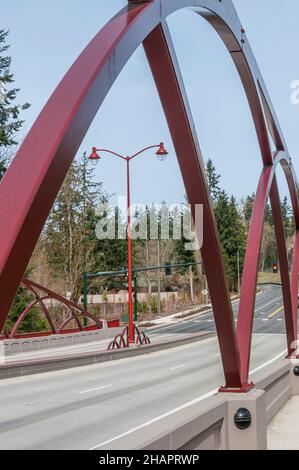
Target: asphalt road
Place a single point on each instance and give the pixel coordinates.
(269, 317)
(89, 407)
(267, 303)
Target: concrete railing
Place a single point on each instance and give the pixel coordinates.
(209, 424)
(19, 345)
(277, 384)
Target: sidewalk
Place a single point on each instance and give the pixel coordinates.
(179, 316)
(283, 431)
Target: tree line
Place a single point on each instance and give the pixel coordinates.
(233, 220)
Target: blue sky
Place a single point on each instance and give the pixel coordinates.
(46, 37)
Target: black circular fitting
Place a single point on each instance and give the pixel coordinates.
(296, 371)
(242, 419)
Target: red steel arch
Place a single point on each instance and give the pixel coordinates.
(75, 310)
(32, 182)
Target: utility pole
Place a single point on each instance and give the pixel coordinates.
(191, 284)
(135, 296)
(207, 290)
(85, 277)
(159, 280)
(238, 267)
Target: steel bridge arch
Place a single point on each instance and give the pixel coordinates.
(38, 170)
(75, 310)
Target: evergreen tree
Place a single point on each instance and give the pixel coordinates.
(10, 120)
(213, 181)
(288, 220)
(269, 216)
(70, 225)
(10, 124)
(248, 207)
(2, 170)
(182, 255)
(33, 322)
(111, 254)
(232, 232)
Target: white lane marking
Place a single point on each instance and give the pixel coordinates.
(178, 367)
(269, 362)
(265, 319)
(154, 329)
(269, 303)
(278, 319)
(182, 407)
(158, 418)
(95, 389)
(268, 334)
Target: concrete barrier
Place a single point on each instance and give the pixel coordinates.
(19, 345)
(28, 367)
(201, 426)
(276, 383)
(209, 424)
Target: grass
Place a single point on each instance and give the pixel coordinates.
(268, 277)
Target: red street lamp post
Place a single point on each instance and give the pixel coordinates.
(94, 158)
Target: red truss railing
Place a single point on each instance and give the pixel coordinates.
(121, 341)
(31, 184)
(43, 294)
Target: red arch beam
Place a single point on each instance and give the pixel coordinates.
(161, 56)
(25, 313)
(267, 187)
(37, 172)
(76, 310)
(75, 316)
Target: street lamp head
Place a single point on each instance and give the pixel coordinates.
(94, 157)
(162, 152)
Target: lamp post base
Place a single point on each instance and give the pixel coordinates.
(122, 340)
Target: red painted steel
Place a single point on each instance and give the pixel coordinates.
(25, 313)
(161, 56)
(95, 157)
(130, 283)
(33, 289)
(122, 340)
(38, 334)
(32, 182)
(294, 283)
(267, 186)
(291, 327)
(248, 289)
(76, 310)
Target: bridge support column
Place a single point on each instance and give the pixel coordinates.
(294, 377)
(240, 437)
